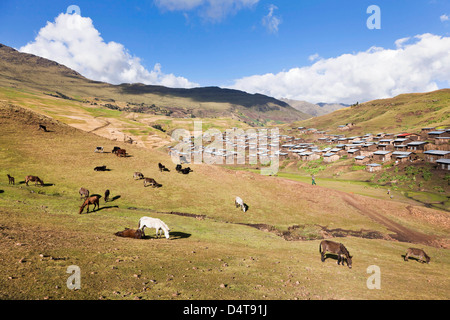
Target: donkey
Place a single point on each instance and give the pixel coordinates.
(185, 170)
(162, 167)
(33, 179)
(11, 179)
(138, 176)
(107, 195)
(83, 193)
(114, 150)
(91, 200)
(417, 253)
(151, 182)
(131, 233)
(336, 248)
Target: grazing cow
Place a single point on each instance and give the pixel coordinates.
(138, 176)
(131, 233)
(336, 248)
(107, 195)
(95, 200)
(121, 153)
(11, 179)
(98, 149)
(84, 193)
(151, 182)
(147, 222)
(418, 253)
(238, 202)
(33, 179)
(42, 127)
(101, 168)
(162, 168)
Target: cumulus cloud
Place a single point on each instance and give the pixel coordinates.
(213, 10)
(270, 21)
(73, 41)
(416, 65)
(444, 17)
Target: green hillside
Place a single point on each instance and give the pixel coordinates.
(404, 113)
(215, 251)
(25, 71)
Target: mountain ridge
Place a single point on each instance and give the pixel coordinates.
(19, 69)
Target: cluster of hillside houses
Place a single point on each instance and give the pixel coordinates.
(370, 150)
(429, 145)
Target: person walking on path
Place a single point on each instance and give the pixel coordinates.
(313, 180)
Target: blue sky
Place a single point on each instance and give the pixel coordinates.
(254, 45)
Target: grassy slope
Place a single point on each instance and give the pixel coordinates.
(43, 234)
(25, 71)
(404, 113)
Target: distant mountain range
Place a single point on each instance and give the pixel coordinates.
(314, 110)
(22, 70)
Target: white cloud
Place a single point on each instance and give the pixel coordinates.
(270, 21)
(313, 57)
(415, 66)
(444, 17)
(212, 10)
(73, 41)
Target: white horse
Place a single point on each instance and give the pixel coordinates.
(147, 222)
(239, 202)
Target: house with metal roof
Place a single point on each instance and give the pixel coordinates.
(416, 146)
(372, 167)
(382, 156)
(443, 164)
(434, 155)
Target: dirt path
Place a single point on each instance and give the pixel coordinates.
(401, 233)
(101, 127)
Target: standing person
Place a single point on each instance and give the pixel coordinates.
(313, 180)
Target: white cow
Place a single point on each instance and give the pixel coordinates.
(240, 203)
(147, 222)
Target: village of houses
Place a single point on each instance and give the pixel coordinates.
(307, 144)
(429, 145)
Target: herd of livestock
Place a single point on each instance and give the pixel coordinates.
(343, 255)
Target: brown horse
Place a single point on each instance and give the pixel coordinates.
(91, 200)
(131, 233)
(84, 193)
(33, 179)
(11, 179)
(121, 153)
(417, 253)
(336, 248)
